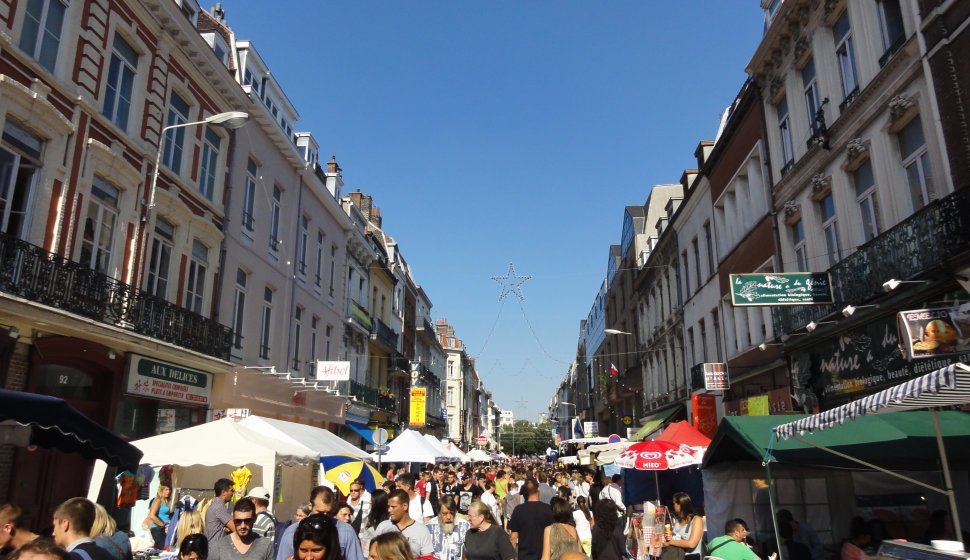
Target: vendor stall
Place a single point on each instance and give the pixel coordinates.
(411, 447)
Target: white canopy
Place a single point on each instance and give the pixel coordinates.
(456, 451)
(223, 442)
(436, 443)
(411, 447)
(478, 455)
(316, 440)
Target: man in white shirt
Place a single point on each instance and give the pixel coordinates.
(359, 501)
(613, 492)
(419, 509)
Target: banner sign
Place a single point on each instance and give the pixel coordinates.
(169, 382)
(934, 333)
(716, 377)
(333, 371)
(758, 406)
(783, 288)
(591, 429)
(419, 396)
(705, 413)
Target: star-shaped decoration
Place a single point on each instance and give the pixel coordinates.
(511, 284)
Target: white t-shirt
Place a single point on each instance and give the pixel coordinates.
(488, 498)
(583, 528)
(418, 511)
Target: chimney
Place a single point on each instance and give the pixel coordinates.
(332, 166)
(335, 182)
(375, 216)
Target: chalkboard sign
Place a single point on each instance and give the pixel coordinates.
(785, 288)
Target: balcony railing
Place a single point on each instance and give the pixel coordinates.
(34, 274)
(428, 326)
(927, 239)
(366, 395)
(385, 334)
(359, 313)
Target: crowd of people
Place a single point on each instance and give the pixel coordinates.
(523, 512)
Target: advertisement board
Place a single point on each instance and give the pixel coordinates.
(591, 429)
(704, 413)
(782, 288)
(168, 382)
(333, 371)
(716, 377)
(419, 397)
(934, 333)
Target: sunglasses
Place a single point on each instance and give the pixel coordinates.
(245, 521)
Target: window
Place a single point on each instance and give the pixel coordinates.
(697, 263)
(891, 27)
(266, 325)
(121, 79)
(274, 224)
(830, 229)
(160, 258)
(702, 332)
(329, 334)
(865, 191)
(20, 161)
(41, 34)
(716, 323)
(178, 114)
(451, 396)
(801, 252)
(812, 98)
(209, 164)
(314, 321)
(333, 265)
(195, 286)
(304, 243)
(683, 259)
(249, 194)
(709, 241)
(99, 226)
(916, 160)
(845, 53)
(239, 308)
(692, 357)
(297, 334)
(319, 274)
(784, 131)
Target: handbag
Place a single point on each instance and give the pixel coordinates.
(672, 553)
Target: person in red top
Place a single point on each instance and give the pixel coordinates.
(422, 485)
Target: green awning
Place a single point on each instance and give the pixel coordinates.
(893, 440)
(658, 421)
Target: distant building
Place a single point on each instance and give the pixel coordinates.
(506, 418)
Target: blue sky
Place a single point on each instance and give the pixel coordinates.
(506, 132)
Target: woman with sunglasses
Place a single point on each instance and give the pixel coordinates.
(316, 539)
(486, 540)
(194, 546)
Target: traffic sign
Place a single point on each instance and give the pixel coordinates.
(380, 436)
(481, 441)
(614, 438)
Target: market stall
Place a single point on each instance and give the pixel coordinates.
(411, 447)
(436, 443)
(319, 440)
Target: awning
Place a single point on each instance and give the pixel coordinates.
(657, 421)
(57, 425)
(363, 431)
(943, 387)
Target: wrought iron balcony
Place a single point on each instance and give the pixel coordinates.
(358, 313)
(385, 334)
(927, 239)
(30, 272)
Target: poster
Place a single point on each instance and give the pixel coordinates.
(705, 414)
(934, 333)
(758, 406)
(419, 396)
(333, 371)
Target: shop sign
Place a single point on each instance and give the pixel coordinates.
(716, 377)
(758, 406)
(419, 397)
(591, 429)
(170, 382)
(704, 413)
(333, 371)
(787, 288)
(934, 333)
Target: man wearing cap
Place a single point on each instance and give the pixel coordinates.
(265, 525)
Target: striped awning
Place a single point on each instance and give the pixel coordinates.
(944, 387)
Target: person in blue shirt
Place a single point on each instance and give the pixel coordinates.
(323, 500)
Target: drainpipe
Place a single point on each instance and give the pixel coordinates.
(296, 256)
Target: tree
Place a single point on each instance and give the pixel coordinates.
(529, 439)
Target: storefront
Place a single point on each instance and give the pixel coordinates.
(161, 397)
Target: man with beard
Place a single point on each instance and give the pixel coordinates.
(448, 531)
(243, 542)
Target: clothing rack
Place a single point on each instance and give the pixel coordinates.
(198, 493)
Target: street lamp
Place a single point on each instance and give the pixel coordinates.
(229, 120)
(615, 331)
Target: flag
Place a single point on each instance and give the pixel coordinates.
(613, 371)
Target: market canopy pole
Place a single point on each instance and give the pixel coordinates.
(947, 481)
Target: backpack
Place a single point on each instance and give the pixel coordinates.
(278, 528)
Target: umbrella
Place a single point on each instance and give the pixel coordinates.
(344, 469)
(683, 432)
(659, 455)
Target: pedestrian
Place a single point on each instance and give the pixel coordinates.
(608, 542)
(595, 488)
(243, 542)
(560, 537)
(434, 488)
(489, 499)
(486, 540)
(105, 533)
(343, 512)
(189, 522)
(390, 546)
(194, 546)
(584, 524)
(448, 530)
(546, 492)
(12, 534)
(316, 538)
(731, 545)
(614, 492)
(688, 527)
(159, 514)
(265, 525)
(360, 501)
(39, 549)
(323, 501)
(73, 520)
(528, 522)
(218, 520)
(467, 493)
(419, 509)
(416, 533)
(803, 534)
(512, 499)
(378, 513)
(854, 547)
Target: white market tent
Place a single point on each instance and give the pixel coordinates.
(456, 451)
(411, 447)
(477, 455)
(436, 443)
(318, 440)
